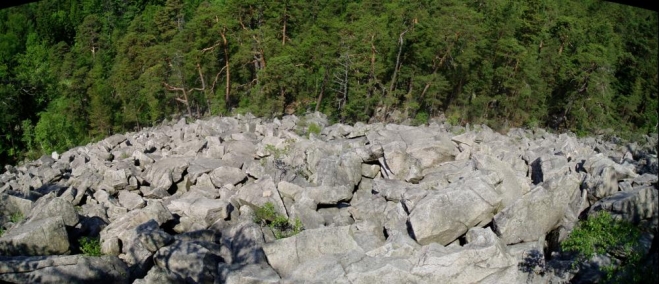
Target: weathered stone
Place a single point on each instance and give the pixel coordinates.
(63, 269)
(538, 212)
(258, 193)
(199, 207)
(47, 236)
(328, 194)
(112, 141)
(470, 204)
(10, 204)
(245, 240)
(338, 171)
(318, 270)
(286, 254)
(190, 148)
(119, 229)
(226, 175)
(164, 173)
(201, 166)
(370, 171)
(510, 188)
(189, 261)
(247, 274)
(49, 206)
(142, 158)
(131, 200)
(484, 259)
(114, 180)
(633, 206)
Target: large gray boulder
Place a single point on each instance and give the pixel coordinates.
(49, 206)
(247, 274)
(462, 206)
(344, 170)
(285, 255)
(328, 194)
(200, 166)
(188, 261)
(46, 236)
(199, 208)
(484, 259)
(164, 173)
(226, 175)
(635, 206)
(114, 180)
(121, 230)
(510, 188)
(539, 211)
(63, 269)
(244, 241)
(10, 204)
(131, 200)
(258, 193)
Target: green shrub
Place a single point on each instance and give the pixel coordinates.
(278, 152)
(603, 234)
(2, 231)
(280, 225)
(421, 118)
(453, 118)
(313, 129)
(90, 246)
(16, 217)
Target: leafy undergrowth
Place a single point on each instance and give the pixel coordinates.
(90, 246)
(280, 225)
(602, 234)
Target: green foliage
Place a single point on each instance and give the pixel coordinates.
(280, 225)
(602, 234)
(16, 217)
(277, 153)
(421, 118)
(314, 129)
(90, 246)
(2, 231)
(74, 71)
(56, 129)
(305, 128)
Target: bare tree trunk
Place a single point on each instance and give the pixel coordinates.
(396, 68)
(185, 100)
(283, 32)
(226, 61)
(322, 90)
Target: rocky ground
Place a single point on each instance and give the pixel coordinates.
(376, 203)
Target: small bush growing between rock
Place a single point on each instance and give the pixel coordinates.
(16, 217)
(421, 118)
(90, 246)
(278, 152)
(280, 225)
(603, 234)
(313, 129)
(2, 231)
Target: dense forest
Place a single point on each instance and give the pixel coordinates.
(72, 71)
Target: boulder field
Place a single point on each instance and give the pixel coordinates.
(371, 203)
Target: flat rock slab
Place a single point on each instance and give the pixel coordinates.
(485, 259)
(120, 229)
(43, 237)
(446, 214)
(537, 212)
(286, 254)
(63, 269)
(166, 172)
